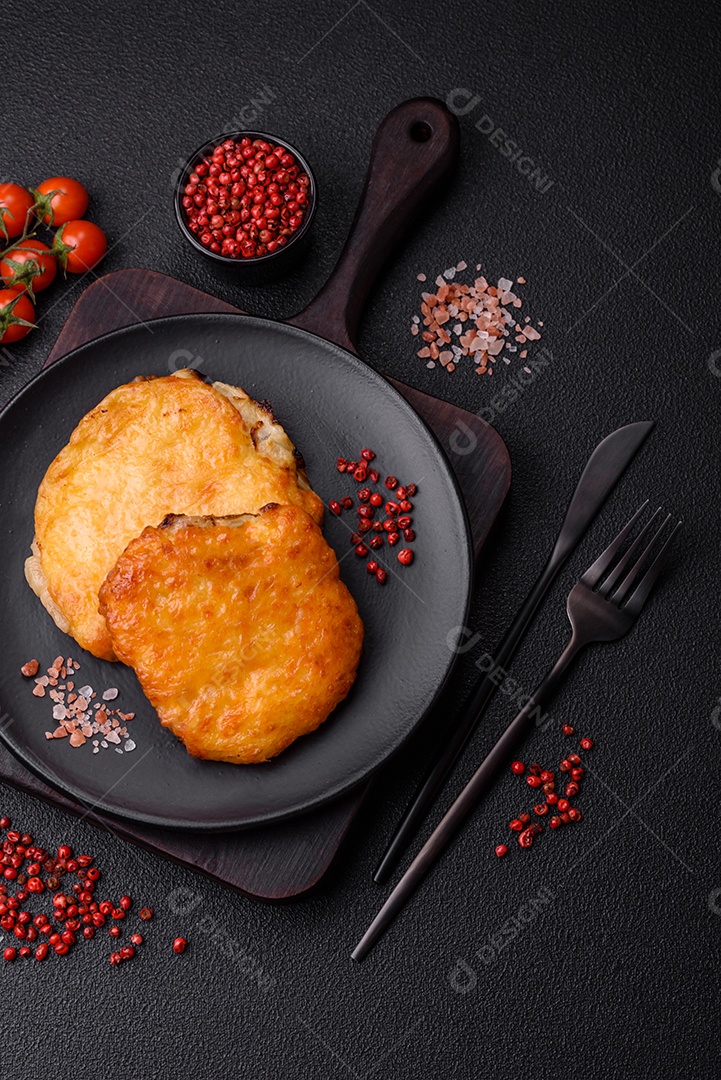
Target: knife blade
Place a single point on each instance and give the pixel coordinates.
(603, 470)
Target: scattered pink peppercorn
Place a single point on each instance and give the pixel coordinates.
(392, 528)
(501, 850)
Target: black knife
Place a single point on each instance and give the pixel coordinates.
(603, 471)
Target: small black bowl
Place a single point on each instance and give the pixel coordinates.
(259, 268)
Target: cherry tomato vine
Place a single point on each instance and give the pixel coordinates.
(27, 264)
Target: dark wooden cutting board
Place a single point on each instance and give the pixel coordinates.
(281, 861)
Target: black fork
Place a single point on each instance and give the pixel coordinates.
(602, 606)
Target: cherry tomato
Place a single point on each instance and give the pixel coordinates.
(15, 205)
(29, 258)
(15, 305)
(63, 200)
(87, 244)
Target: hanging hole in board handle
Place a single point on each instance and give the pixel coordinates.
(421, 131)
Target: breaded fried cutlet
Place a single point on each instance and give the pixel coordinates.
(152, 447)
(239, 629)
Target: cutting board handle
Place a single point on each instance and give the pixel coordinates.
(414, 153)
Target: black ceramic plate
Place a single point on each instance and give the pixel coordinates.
(330, 404)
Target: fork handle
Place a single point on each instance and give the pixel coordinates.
(548, 686)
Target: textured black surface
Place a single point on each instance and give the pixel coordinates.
(618, 975)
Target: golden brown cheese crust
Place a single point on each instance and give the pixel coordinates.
(171, 445)
(240, 631)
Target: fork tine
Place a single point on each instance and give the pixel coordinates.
(641, 593)
(596, 571)
(625, 561)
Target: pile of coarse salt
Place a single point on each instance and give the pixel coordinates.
(79, 716)
(480, 316)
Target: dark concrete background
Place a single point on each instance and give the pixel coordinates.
(618, 976)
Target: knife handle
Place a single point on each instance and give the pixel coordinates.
(413, 156)
(466, 722)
